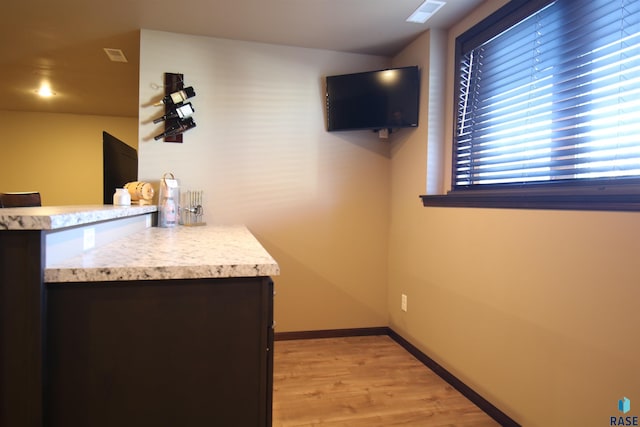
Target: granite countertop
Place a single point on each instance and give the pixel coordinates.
(57, 217)
(170, 253)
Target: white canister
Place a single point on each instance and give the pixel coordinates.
(168, 201)
(121, 197)
(167, 212)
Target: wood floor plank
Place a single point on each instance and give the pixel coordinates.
(363, 381)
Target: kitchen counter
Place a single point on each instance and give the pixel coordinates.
(170, 253)
(107, 320)
(140, 254)
(58, 217)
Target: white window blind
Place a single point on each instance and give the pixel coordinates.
(552, 99)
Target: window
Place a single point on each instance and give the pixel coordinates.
(547, 107)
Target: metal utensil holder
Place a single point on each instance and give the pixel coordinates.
(191, 209)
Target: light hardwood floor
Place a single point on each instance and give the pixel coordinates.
(362, 381)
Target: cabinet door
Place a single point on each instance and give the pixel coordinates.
(22, 299)
(161, 353)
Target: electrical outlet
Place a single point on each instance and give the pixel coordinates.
(403, 303)
(89, 238)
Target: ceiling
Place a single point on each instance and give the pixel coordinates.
(63, 42)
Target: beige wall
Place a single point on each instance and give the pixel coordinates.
(535, 310)
(541, 319)
(59, 155)
(318, 201)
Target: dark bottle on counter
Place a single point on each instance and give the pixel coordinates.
(178, 97)
(181, 112)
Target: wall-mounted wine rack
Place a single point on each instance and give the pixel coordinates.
(177, 116)
(172, 83)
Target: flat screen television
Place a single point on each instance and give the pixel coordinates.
(119, 165)
(382, 99)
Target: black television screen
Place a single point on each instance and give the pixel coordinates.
(383, 99)
(119, 165)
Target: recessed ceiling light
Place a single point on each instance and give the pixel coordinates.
(45, 91)
(425, 11)
(115, 55)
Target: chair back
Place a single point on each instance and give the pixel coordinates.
(19, 200)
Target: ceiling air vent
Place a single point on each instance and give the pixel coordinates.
(425, 11)
(115, 55)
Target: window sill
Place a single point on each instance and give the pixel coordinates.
(603, 202)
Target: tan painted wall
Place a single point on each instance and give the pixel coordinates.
(535, 310)
(542, 318)
(318, 201)
(59, 155)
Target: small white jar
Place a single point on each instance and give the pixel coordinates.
(121, 197)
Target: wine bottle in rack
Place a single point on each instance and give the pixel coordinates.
(178, 128)
(180, 112)
(178, 97)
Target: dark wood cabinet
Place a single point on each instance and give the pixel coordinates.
(186, 352)
(160, 353)
(22, 328)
